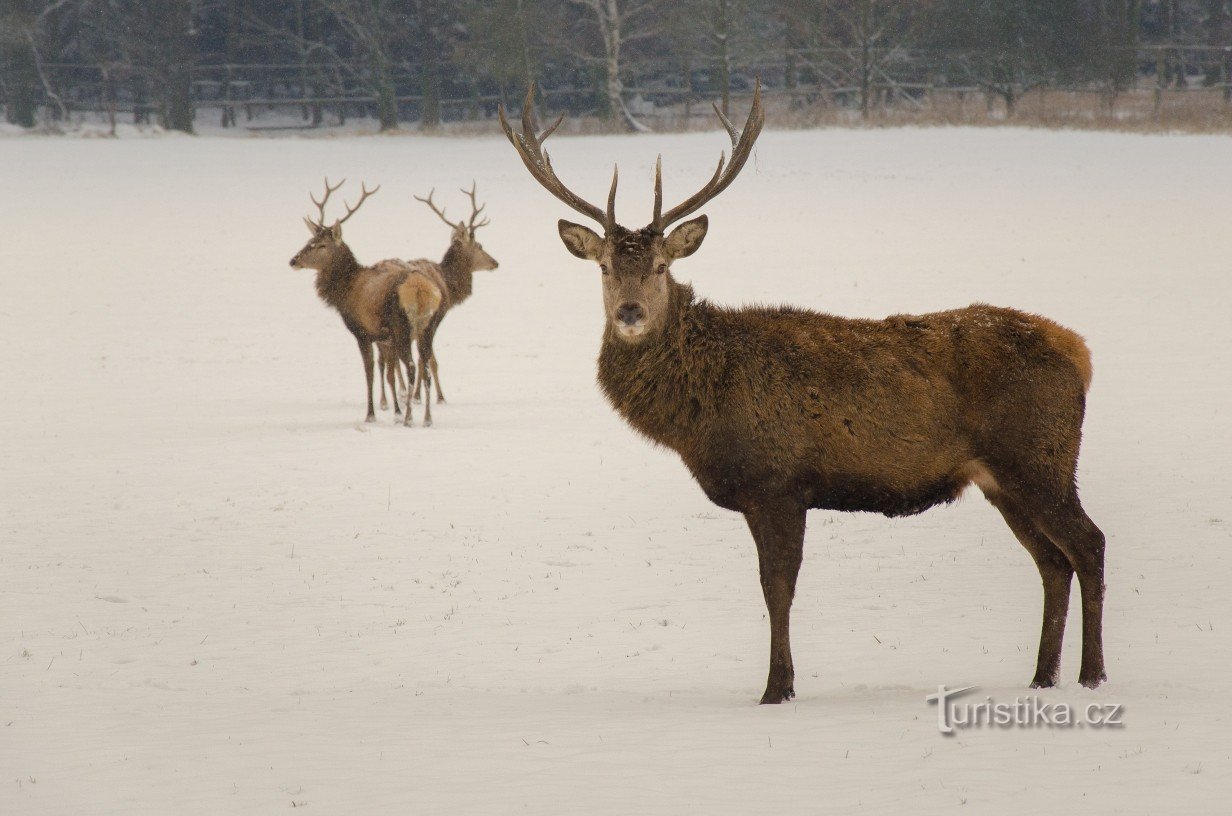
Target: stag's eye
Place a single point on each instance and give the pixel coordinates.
(660, 269)
(603, 268)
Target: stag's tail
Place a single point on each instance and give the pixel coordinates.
(419, 299)
(1072, 346)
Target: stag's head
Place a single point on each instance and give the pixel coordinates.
(325, 245)
(635, 264)
(463, 244)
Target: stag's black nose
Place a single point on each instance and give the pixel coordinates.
(292, 263)
(629, 313)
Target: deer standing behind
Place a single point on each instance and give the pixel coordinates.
(387, 303)
(464, 257)
(779, 410)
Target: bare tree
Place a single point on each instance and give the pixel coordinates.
(854, 43)
(618, 23)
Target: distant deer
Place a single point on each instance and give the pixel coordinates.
(462, 260)
(776, 410)
(387, 303)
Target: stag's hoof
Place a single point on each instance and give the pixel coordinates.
(440, 400)
(384, 405)
(1044, 681)
(370, 418)
(772, 697)
(408, 423)
(427, 423)
(1094, 682)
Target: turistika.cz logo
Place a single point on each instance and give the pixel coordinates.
(1023, 712)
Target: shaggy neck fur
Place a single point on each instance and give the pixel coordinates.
(667, 386)
(334, 281)
(455, 269)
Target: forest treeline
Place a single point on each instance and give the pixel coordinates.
(434, 60)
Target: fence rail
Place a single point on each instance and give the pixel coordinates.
(326, 93)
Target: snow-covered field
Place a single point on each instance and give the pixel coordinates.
(221, 592)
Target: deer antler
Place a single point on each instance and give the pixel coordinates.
(321, 204)
(742, 146)
(330, 190)
(530, 148)
(363, 196)
(476, 208)
(440, 213)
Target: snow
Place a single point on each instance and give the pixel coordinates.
(222, 592)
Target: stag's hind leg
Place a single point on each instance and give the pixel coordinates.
(1069, 527)
(436, 375)
(1054, 511)
(1057, 574)
(409, 362)
(425, 376)
(779, 534)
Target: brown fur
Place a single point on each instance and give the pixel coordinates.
(456, 272)
(369, 300)
(779, 410)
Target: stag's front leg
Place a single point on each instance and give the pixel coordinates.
(365, 351)
(779, 534)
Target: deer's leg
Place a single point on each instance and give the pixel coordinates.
(381, 363)
(1069, 527)
(425, 377)
(401, 382)
(437, 377)
(365, 351)
(409, 361)
(1056, 572)
(779, 535)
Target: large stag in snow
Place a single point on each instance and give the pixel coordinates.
(389, 303)
(779, 410)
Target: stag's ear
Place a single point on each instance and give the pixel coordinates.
(312, 228)
(581, 241)
(686, 238)
(336, 231)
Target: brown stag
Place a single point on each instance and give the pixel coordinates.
(779, 410)
(384, 303)
(457, 269)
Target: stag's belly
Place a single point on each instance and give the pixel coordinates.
(895, 463)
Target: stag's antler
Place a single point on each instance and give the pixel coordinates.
(330, 190)
(321, 204)
(742, 146)
(530, 148)
(440, 213)
(364, 192)
(476, 208)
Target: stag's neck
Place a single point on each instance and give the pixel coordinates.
(666, 386)
(458, 275)
(334, 281)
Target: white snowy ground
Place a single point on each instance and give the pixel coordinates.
(221, 592)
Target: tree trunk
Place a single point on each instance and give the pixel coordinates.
(430, 116)
(386, 94)
(22, 85)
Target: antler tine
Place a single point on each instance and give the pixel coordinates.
(364, 192)
(440, 213)
(742, 147)
(475, 208)
(530, 149)
(321, 204)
